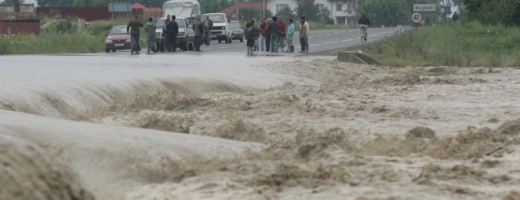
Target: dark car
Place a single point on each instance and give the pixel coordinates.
(237, 31)
(117, 39)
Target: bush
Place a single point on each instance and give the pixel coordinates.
(453, 44)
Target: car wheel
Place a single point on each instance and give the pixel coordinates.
(113, 50)
(107, 50)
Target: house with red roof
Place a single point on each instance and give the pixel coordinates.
(231, 10)
(141, 9)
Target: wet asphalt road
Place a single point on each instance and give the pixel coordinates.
(319, 41)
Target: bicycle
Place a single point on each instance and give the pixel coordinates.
(284, 42)
(363, 33)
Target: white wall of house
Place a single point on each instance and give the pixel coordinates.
(275, 5)
(342, 11)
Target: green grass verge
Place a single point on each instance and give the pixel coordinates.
(465, 45)
(61, 36)
(316, 26)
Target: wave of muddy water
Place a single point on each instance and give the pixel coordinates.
(324, 130)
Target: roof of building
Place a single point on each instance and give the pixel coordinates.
(231, 9)
(138, 6)
(146, 10)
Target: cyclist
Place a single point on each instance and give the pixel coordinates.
(364, 22)
(283, 31)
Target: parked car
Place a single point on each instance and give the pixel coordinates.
(237, 31)
(117, 39)
(185, 39)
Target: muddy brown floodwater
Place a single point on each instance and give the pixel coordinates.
(331, 131)
(346, 131)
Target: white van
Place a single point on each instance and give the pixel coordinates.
(221, 28)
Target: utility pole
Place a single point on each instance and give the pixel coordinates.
(237, 13)
(263, 9)
(16, 6)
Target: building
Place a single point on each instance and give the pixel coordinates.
(231, 10)
(140, 9)
(341, 11)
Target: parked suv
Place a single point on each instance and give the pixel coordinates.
(237, 31)
(221, 29)
(185, 39)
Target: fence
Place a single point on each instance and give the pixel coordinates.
(86, 13)
(8, 27)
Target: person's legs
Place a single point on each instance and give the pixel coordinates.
(276, 42)
(290, 45)
(197, 43)
(267, 42)
(166, 45)
(138, 41)
(306, 44)
(249, 46)
(262, 42)
(207, 32)
(174, 42)
(132, 43)
(302, 44)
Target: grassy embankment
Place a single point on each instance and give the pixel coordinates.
(465, 45)
(61, 38)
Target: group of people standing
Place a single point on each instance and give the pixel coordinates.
(272, 32)
(170, 32)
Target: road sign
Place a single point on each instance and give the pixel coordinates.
(417, 17)
(119, 7)
(423, 7)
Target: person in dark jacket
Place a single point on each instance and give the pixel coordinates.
(252, 33)
(364, 23)
(455, 17)
(166, 44)
(173, 31)
(133, 29)
(275, 30)
(198, 28)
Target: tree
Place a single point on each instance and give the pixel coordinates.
(308, 9)
(286, 13)
(253, 13)
(324, 16)
(493, 12)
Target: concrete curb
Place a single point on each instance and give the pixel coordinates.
(357, 57)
